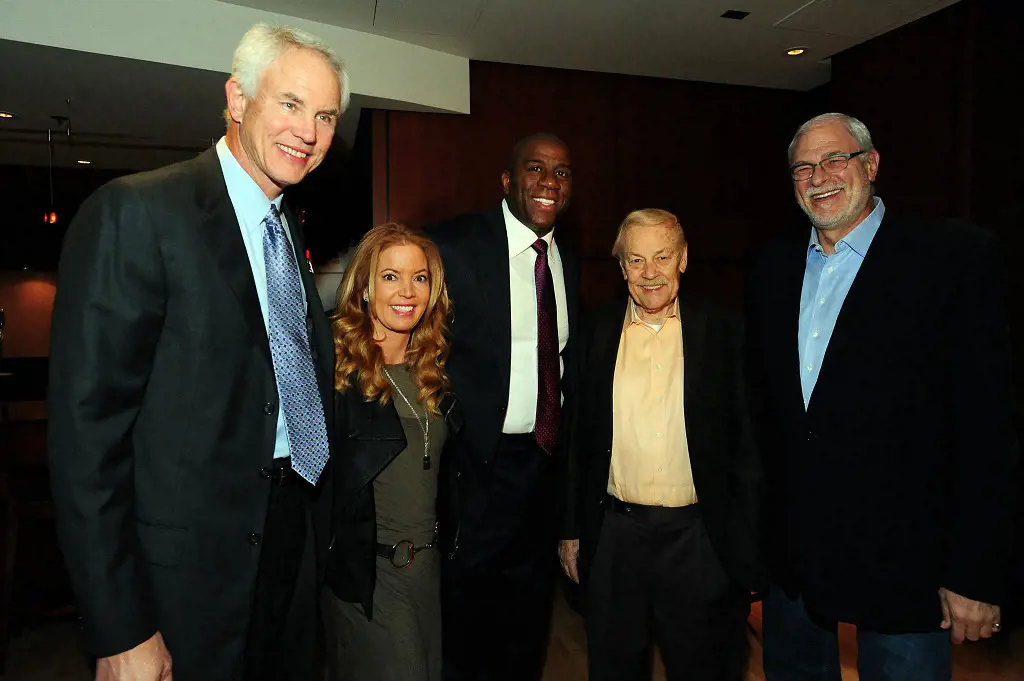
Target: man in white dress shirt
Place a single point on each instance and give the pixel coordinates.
(514, 288)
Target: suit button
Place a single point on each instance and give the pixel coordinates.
(265, 473)
(268, 408)
(811, 435)
(254, 538)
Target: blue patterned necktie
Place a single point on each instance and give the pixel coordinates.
(293, 361)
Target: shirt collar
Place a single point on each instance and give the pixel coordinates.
(246, 196)
(633, 317)
(520, 237)
(860, 238)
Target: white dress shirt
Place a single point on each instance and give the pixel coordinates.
(251, 207)
(521, 415)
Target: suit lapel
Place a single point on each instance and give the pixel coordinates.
(604, 352)
(872, 284)
(694, 322)
(224, 239)
(320, 339)
(491, 272)
(374, 438)
(791, 284)
(571, 280)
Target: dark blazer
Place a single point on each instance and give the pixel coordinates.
(474, 249)
(726, 468)
(368, 437)
(163, 414)
(896, 479)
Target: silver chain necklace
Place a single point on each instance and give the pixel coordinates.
(424, 427)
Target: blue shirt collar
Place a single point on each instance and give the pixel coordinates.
(246, 196)
(859, 240)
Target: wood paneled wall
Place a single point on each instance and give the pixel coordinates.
(712, 154)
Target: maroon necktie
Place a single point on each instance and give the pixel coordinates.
(548, 394)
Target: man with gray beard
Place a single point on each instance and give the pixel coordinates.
(880, 374)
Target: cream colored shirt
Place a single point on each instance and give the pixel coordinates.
(650, 456)
(521, 415)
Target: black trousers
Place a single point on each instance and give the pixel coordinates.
(498, 588)
(282, 634)
(656, 578)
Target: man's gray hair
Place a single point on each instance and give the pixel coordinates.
(857, 129)
(263, 43)
(646, 217)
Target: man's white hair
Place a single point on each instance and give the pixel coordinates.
(856, 127)
(263, 43)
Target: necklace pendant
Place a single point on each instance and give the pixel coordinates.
(426, 462)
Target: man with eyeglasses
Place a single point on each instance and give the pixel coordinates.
(879, 367)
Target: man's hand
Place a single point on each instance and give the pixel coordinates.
(967, 619)
(148, 661)
(569, 555)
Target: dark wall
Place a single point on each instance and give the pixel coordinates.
(712, 154)
(25, 240)
(941, 98)
(334, 202)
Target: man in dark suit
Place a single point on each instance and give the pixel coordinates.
(191, 366)
(879, 357)
(514, 289)
(665, 473)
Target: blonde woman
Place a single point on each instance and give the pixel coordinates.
(393, 409)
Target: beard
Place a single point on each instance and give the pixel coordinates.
(856, 200)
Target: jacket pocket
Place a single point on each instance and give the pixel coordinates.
(160, 544)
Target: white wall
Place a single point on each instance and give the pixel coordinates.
(203, 33)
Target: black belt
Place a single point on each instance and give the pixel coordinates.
(282, 474)
(516, 439)
(643, 512)
(402, 553)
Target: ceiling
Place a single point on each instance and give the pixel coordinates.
(123, 113)
(131, 114)
(684, 39)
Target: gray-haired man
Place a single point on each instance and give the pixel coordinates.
(886, 424)
(189, 405)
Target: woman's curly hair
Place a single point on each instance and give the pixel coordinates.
(359, 359)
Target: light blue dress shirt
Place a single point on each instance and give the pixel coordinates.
(251, 207)
(827, 280)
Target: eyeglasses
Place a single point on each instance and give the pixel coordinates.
(833, 164)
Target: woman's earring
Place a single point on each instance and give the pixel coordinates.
(366, 297)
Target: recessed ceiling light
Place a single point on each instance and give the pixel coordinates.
(85, 163)
(6, 114)
(796, 51)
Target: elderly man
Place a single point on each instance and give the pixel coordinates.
(666, 477)
(191, 386)
(880, 362)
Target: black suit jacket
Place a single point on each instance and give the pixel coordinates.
(367, 437)
(474, 249)
(725, 464)
(896, 479)
(163, 415)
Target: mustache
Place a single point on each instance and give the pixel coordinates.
(659, 281)
(811, 192)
